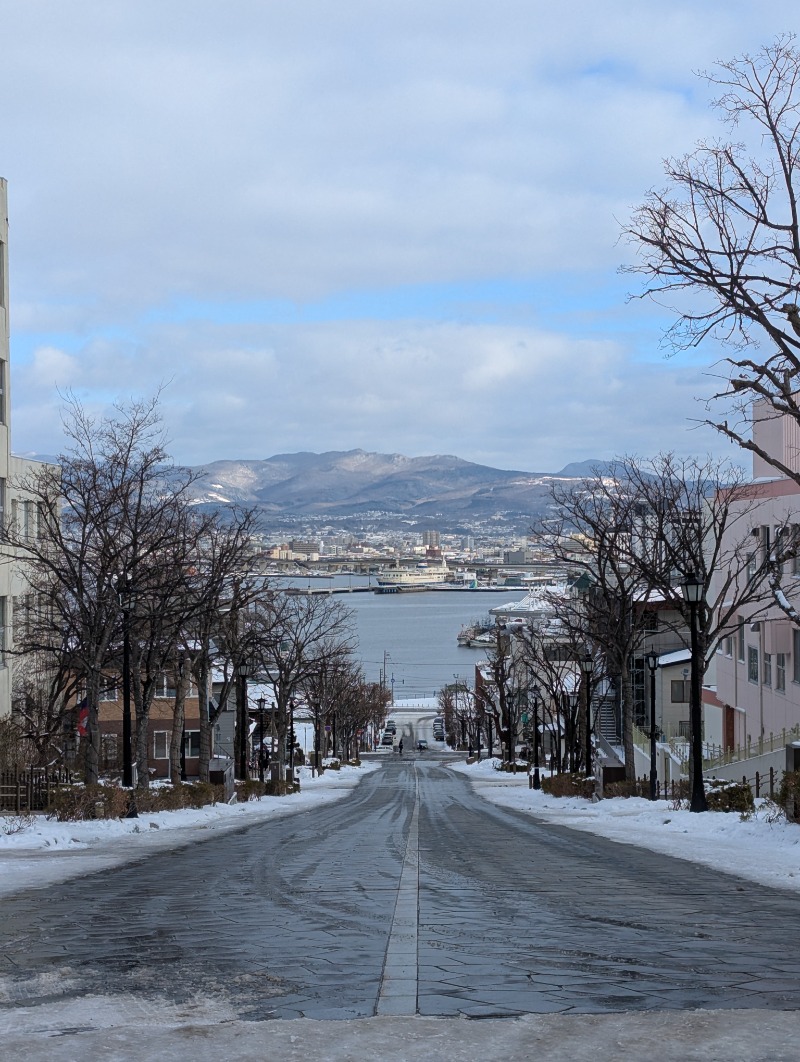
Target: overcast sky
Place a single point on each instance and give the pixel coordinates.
(386, 224)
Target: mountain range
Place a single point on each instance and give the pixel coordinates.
(344, 485)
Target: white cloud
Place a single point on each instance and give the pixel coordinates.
(248, 151)
(511, 396)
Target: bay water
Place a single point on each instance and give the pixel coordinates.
(413, 634)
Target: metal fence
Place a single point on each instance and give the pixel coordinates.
(762, 784)
(716, 755)
(30, 790)
(721, 757)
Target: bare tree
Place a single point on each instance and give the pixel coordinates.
(339, 698)
(462, 718)
(695, 516)
(106, 511)
(496, 694)
(357, 705)
(294, 636)
(592, 529)
(223, 592)
(44, 694)
(721, 242)
(550, 655)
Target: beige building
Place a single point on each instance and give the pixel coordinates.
(5, 567)
(13, 471)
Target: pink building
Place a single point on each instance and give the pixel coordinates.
(758, 663)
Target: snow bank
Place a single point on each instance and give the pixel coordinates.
(757, 849)
(37, 852)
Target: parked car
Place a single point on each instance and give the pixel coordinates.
(388, 738)
(391, 726)
(422, 744)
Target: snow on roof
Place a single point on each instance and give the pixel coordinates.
(681, 656)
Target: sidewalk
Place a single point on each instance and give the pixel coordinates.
(669, 1036)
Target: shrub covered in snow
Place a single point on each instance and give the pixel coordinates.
(730, 796)
(568, 785)
(789, 795)
(638, 787)
(72, 803)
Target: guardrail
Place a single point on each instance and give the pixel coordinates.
(754, 748)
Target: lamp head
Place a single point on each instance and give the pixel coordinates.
(692, 588)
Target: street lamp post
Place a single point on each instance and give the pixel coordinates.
(242, 671)
(317, 737)
(291, 738)
(587, 666)
(652, 663)
(181, 666)
(124, 590)
(573, 700)
(125, 594)
(526, 733)
(693, 588)
(537, 781)
(261, 703)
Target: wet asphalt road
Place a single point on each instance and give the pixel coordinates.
(413, 895)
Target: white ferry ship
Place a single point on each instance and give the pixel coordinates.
(421, 575)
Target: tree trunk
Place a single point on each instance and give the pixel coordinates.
(92, 753)
(201, 678)
(178, 721)
(143, 701)
(627, 724)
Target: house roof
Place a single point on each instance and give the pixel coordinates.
(681, 656)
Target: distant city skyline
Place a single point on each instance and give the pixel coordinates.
(385, 227)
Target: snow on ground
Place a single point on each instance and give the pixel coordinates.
(38, 852)
(762, 851)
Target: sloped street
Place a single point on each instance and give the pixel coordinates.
(412, 896)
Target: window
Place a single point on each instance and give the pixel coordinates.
(28, 520)
(191, 744)
(780, 672)
(796, 655)
(766, 544)
(2, 383)
(766, 669)
(165, 686)
(752, 664)
(650, 621)
(684, 728)
(4, 640)
(161, 744)
(109, 750)
(108, 688)
(22, 613)
(751, 565)
(793, 546)
(680, 691)
(740, 642)
(727, 644)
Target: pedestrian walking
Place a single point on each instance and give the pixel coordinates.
(400, 747)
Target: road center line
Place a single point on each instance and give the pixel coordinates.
(398, 994)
